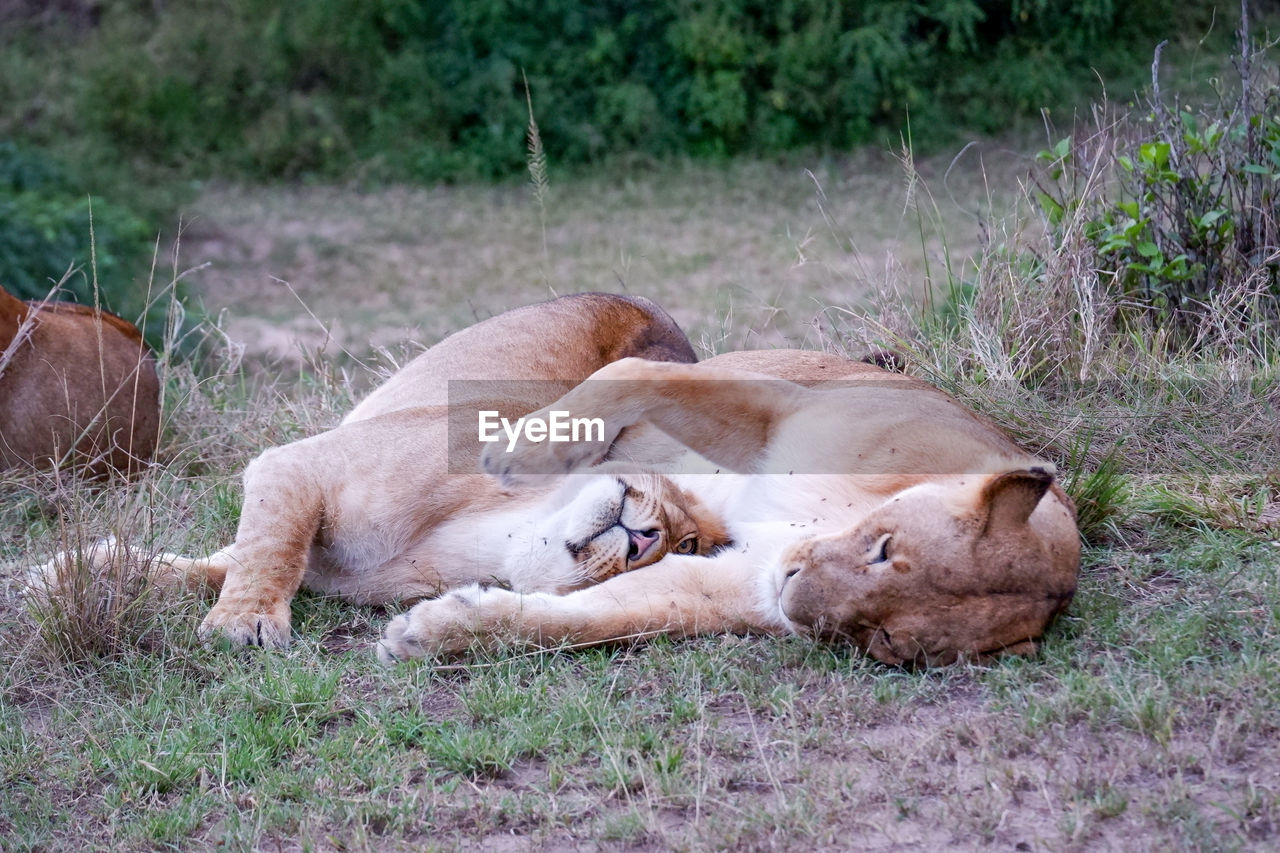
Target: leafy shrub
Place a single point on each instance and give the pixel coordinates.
(45, 239)
(436, 90)
(1179, 208)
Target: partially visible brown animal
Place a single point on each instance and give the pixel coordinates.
(77, 386)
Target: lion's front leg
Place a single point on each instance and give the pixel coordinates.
(678, 596)
(282, 509)
(454, 622)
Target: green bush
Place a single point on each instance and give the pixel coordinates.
(1179, 209)
(45, 239)
(433, 90)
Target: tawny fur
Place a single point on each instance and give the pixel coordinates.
(77, 385)
(390, 505)
(862, 505)
(853, 503)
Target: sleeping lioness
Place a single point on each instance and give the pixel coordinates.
(861, 505)
(390, 504)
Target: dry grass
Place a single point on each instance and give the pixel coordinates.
(744, 255)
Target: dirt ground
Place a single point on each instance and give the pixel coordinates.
(743, 255)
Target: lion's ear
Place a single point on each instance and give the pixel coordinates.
(1007, 500)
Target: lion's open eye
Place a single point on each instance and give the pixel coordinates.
(880, 551)
(688, 545)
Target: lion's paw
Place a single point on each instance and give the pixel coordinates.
(399, 643)
(449, 625)
(439, 626)
(268, 630)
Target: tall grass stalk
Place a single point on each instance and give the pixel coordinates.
(537, 162)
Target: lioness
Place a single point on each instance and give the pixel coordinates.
(862, 506)
(386, 507)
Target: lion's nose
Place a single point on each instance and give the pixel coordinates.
(641, 542)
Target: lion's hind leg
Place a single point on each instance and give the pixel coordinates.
(203, 575)
(91, 571)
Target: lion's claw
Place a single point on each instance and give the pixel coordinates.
(398, 642)
(246, 629)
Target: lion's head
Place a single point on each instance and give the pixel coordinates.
(940, 571)
(610, 523)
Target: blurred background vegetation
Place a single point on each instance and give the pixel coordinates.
(132, 102)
